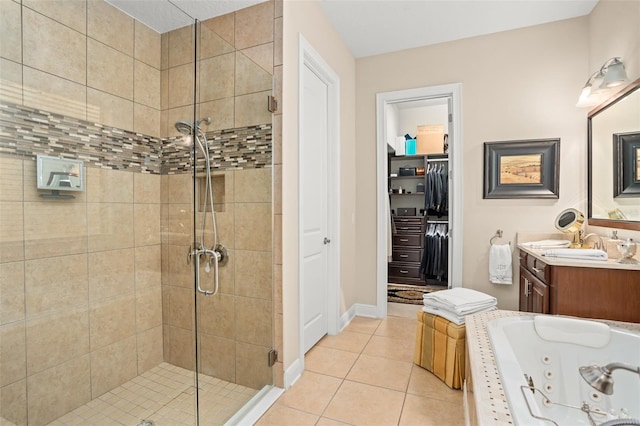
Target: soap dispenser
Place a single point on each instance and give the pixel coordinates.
(612, 246)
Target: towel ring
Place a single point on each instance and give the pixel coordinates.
(498, 235)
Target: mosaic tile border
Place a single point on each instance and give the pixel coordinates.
(241, 148)
(26, 132)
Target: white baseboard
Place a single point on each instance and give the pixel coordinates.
(357, 309)
(293, 373)
(258, 405)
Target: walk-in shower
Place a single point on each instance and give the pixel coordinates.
(202, 253)
(102, 318)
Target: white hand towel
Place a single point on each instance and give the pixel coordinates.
(585, 254)
(500, 270)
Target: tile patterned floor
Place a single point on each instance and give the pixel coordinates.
(366, 376)
(165, 395)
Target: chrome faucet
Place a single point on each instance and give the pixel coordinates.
(600, 378)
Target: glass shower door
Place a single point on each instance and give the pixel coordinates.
(232, 217)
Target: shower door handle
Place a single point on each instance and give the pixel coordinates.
(197, 254)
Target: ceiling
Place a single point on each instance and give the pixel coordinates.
(372, 27)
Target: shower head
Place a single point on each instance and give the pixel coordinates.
(185, 127)
(598, 378)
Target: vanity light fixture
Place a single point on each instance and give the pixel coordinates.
(597, 87)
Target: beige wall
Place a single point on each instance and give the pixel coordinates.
(235, 326)
(234, 70)
(516, 85)
(306, 18)
(69, 267)
(520, 84)
(65, 57)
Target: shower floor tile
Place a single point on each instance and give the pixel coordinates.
(165, 395)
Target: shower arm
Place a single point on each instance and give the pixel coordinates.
(621, 366)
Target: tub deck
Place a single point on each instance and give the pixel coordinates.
(491, 406)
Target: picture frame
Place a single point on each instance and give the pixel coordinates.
(626, 164)
(522, 169)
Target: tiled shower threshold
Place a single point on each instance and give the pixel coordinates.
(164, 395)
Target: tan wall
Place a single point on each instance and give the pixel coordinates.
(520, 84)
(65, 57)
(235, 326)
(306, 18)
(69, 268)
(234, 70)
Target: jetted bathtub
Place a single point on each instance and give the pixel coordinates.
(538, 358)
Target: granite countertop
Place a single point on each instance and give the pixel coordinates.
(490, 401)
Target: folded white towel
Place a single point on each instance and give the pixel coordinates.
(466, 310)
(586, 254)
(547, 244)
(460, 300)
(500, 270)
(451, 316)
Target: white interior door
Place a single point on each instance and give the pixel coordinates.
(314, 208)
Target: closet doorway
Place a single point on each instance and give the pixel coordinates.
(387, 106)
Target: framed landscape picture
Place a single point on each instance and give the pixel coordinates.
(522, 169)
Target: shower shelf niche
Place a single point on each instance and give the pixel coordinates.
(219, 199)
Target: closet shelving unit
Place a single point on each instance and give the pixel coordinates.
(408, 243)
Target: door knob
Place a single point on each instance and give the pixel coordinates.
(326, 240)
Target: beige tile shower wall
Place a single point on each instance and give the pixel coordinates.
(83, 59)
(234, 70)
(236, 61)
(236, 325)
(81, 305)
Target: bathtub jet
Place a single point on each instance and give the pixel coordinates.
(600, 378)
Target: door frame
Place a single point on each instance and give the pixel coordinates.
(310, 58)
(454, 91)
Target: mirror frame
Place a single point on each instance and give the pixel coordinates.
(608, 223)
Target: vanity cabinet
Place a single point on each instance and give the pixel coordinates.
(588, 292)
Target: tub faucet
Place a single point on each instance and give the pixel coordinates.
(600, 378)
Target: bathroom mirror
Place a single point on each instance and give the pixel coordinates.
(570, 221)
(613, 164)
(59, 174)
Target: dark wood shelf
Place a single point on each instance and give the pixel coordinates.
(406, 177)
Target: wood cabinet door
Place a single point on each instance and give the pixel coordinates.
(539, 297)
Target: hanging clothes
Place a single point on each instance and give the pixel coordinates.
(436, 194)
(435, 256)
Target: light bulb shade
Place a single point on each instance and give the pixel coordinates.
(615, 75)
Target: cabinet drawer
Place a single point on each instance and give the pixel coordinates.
(407, 255)
(416, 220)
(538, 268)
(407, 240)
(401, 270)
(408, 228)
